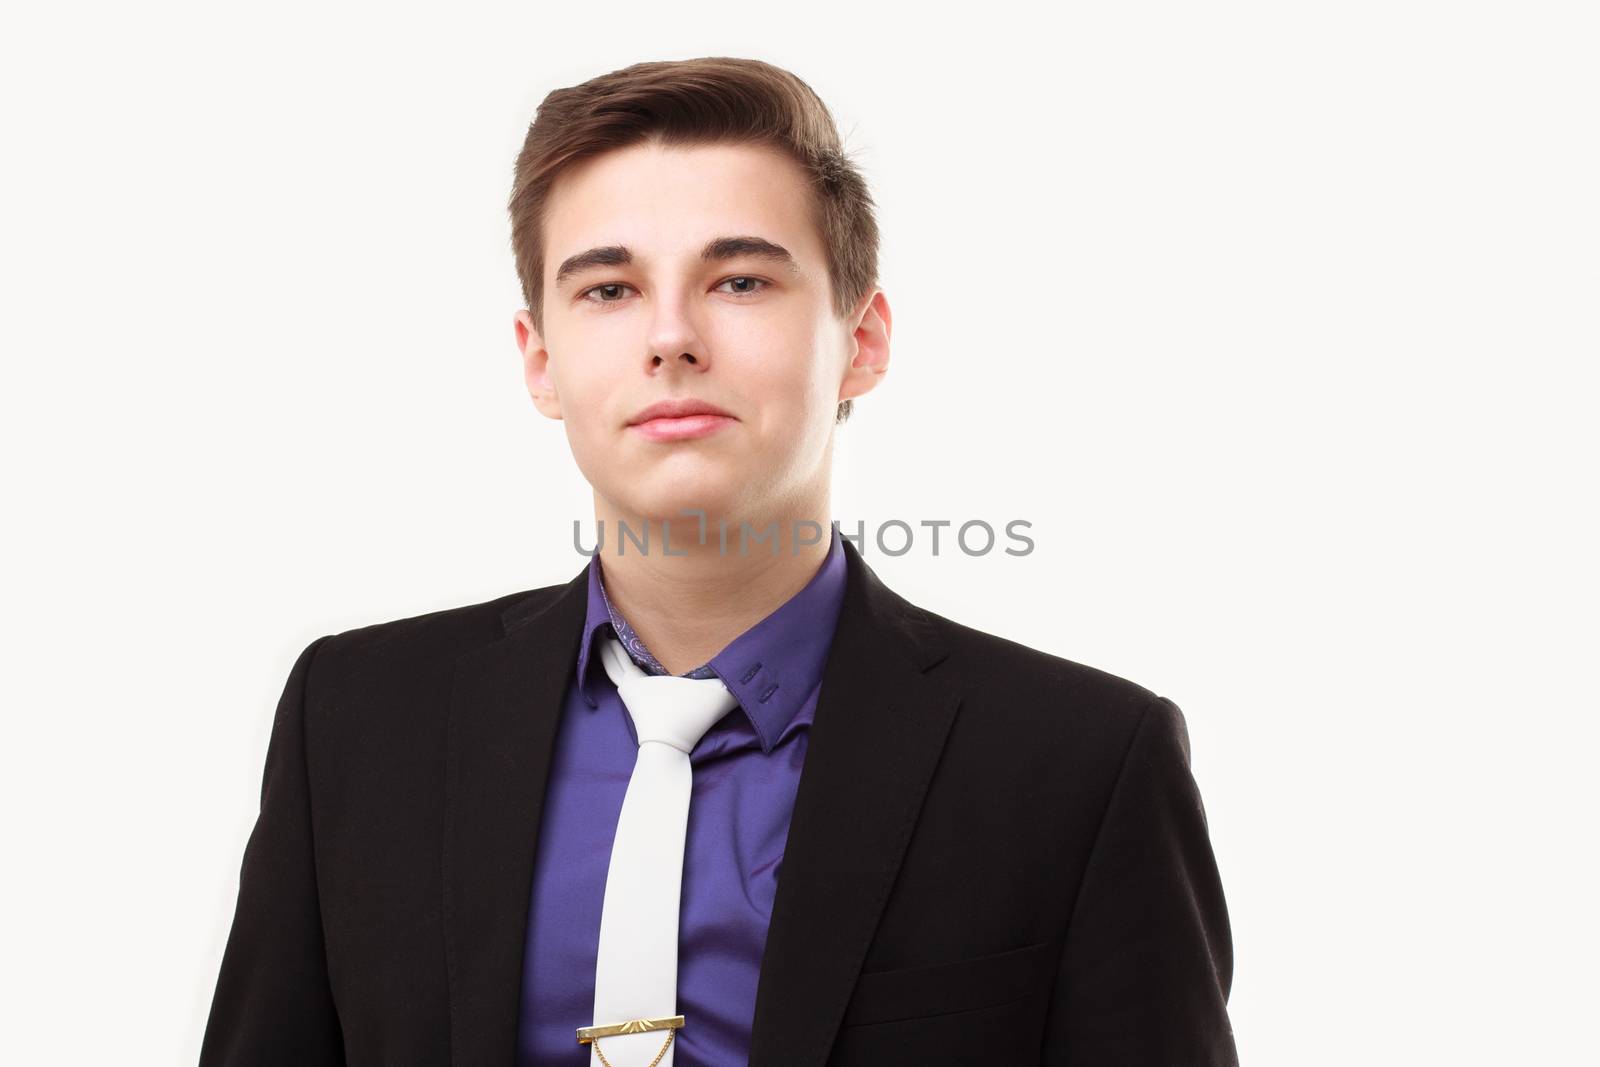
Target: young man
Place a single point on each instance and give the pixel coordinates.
(707, 804)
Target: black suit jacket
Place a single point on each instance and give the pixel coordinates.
(997, 856)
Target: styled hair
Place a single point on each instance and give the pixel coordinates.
(712, 100)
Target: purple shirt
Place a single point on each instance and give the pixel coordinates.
(746, 770)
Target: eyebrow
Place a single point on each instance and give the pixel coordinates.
(716, 250)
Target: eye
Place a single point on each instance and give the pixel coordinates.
(607, 288)
(755, 285)
(612, 292)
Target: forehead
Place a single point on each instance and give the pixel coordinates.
(666, 202)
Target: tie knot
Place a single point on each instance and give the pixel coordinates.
(667, 708)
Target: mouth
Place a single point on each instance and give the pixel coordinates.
(681, 428)
(680, 420)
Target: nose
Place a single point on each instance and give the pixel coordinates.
(674, 340)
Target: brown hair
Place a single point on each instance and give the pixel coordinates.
(716, 99)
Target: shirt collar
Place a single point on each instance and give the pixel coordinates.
(772, 668)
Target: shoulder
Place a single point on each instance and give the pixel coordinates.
(395, 652)
(1043, 740)
(1013, 690)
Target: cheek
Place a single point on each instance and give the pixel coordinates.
(582, 383)
(583, 411)
(786, 370)
(796, 411)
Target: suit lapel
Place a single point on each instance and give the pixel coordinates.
(879, 729)
(505, 708)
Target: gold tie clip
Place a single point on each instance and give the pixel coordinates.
(586, 1034)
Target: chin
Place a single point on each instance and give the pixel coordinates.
(669, 498)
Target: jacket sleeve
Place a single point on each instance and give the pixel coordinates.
(273, 1003)
(1147, 963)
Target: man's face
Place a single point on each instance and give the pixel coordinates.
(722, 296)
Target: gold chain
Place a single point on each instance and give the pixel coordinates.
(671, 1033)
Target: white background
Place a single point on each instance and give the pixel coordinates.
(1277, 320)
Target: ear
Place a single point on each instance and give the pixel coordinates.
(869, 345)
(536, 366)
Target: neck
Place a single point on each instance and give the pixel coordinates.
(686, 608)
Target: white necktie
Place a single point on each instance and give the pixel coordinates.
(636, 972)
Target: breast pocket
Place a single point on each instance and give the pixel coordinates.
(947, 988)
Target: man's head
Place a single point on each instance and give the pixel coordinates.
(693, 231)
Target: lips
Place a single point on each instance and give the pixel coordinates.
(680, 420)
(677, 409)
